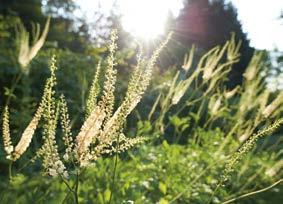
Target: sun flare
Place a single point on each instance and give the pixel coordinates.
(147, 18)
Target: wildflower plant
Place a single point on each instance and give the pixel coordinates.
(247, 146)
(28, 44)
(102, 131)
(27, 53)
(14, 153)
(202, 99)
(194, 104)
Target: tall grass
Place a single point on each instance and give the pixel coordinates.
(102, 131)
(194, 99)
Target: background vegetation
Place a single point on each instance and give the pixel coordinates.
(207, 99)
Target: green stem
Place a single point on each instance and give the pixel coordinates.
(251, 179)
(192, 182)
(76, 188)
(214, 192)
(10, 170)
(114, 171)
(113, 178)
(253, 193)
(70, 188)
(195, 180)
(12, 89)
(70, 191)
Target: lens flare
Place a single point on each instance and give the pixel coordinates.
(147, 18)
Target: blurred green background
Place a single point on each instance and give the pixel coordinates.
(181, 157)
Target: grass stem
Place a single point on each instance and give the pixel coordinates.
(253, 193)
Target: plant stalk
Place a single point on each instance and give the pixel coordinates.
(10, 170)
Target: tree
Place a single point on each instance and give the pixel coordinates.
(28, 11)
(210, 23)
(67, 30)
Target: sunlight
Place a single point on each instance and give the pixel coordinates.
(146, 19)
(268, 36)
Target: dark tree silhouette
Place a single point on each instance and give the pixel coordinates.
(67, 30)
(210, 23)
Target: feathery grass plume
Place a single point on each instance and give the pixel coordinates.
(214, 104)
(180, 88)
(90, 129)
(27, 134)
(66, 128)
(156, 54)
(213, 70)
(249, 97)
(49, 150)
(254, 66)
(278, 101)
(278, 167)
(244, 137)
(125, 143)
(172, 96)
(247, 146)
(211, 65)
(231, 93)
(27, 53)
(94, 91)
(233, 48)
(8, 147)
(264, 100)
(221, 70)
(179, 92)
(175, 93)
(189, 59)
(212, 60)
(254, 97)
(107, 101)
(98, 134)
(102, 112)
(247, 101)
(138, 71)
(29, 131)
(138, 84)
(152, 111)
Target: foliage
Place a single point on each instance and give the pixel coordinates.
(207, 24)
(153, 174)
(101, 132)
(203, 142)
(66, 30)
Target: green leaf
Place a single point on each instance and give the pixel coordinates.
(163, 201)
(179, 123)
(165, 144)
(162, 187)
(18, 180)
(8, 92)
(194, 116)
(100, 198)
(107, 194)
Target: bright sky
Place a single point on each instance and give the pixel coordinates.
(260, 21)
(142, 18)
(146, 18)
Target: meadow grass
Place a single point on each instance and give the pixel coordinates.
(190, 108)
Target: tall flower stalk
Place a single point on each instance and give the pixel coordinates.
(102, 131)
